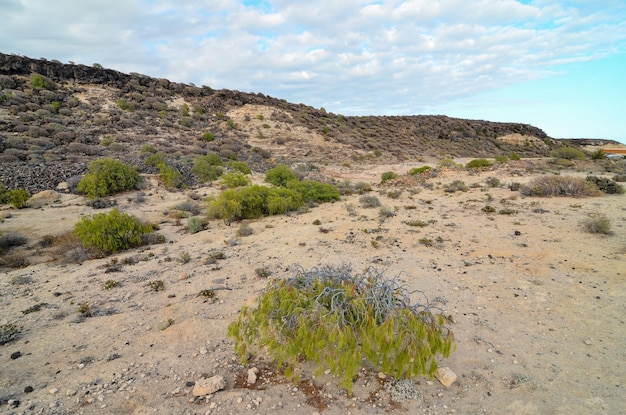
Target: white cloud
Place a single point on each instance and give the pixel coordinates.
(369, 56)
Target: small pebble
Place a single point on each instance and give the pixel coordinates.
(16, 355)
(53, 391)
(28, 389)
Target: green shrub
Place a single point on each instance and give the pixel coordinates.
(208, 137)
(419, 170)
(107, 176)
(16, 197)
(147, 148)
(38, 81)
(598, 155)
(493, 182)
(112, 231)
(559, 186)
(171, 177)
(241, 166)
(501, 159)
(196, 224)
(514, 156)
(478, 163)
(598, 223)
(447, 163)
(388, 175)
(154, 159)
(342, 322)
(314, 191)
(235, 179)
(208, 168)
(281, 175)
(125, 105)
(568, 153)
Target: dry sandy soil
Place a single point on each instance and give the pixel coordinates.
(537, 303)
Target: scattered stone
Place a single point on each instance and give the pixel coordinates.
(446, 376)
(190, 383)
(14, 403)
(53, 391)
(381, 375)
(16, 355)
(208, 386)
(183, 277)
(252, 378)
(162, 325)
(70, 392)
(588, 342)
(28, 389)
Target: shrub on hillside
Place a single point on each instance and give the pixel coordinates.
(111, 232)
(568, 153)
(171, 177)
(281, 175)
(207, 168)
(16, 197)
(388, 175)
(107, 176)
(606, 185)
(419, 170)
(478, 163)
(314, 191)
(241, 166)
(235, 179)
(598, 223)
(559, 186)
(341, 322)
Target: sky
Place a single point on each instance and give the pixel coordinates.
(558, 65)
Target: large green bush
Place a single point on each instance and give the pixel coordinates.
(16, 197)
(281, 175)
(477, 163)
(568, 153)
(235, 179)
(107, 176)
(208, 168)
(111, 232)
(314, 191)
(342, 322)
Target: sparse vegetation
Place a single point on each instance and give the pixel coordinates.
(388, 175)
(342, 321)
(419, 170)
(16, 197)
(369, 201)
(196, 224)
(8, 333)
(606, 185)
(559, 186)
(568, 153)
(111, 232)
(598, 223)
(107, 176)
(455, 186)
(156, 285)
(478, 163)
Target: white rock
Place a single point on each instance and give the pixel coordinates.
(53, 391)
(252, 375)
(446, 376)
(208, 386)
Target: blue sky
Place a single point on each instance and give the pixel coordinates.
(558, 65)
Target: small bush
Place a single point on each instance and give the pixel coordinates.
(388, 175)
(207, 168)
(568, 153)
(559, 186)
(107, 176)
(112, 231)
(514, 156)
(196, 224)
(147, 148)
(419, 170)
(235, 179)
(341, 322)
(369, 201)
(38, 81)
(449, 163)
(598, 155)
(125, 105)
(281, 175)
(171, 177)
(10, 240)
(493, 182)
(245, 229)
(501, 159)
(8, 333)
(240, 166)
(312, 191)
(455, 186)
(157, 285)
(606, 185)
(478, 163)
(598, 223)
(16, 197)
(208, 137)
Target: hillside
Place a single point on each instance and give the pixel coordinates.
(55, 118)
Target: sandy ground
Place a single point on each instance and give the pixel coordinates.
(537, 303)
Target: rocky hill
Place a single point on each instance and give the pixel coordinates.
(55, 118)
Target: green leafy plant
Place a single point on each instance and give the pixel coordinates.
(388, 175)
(125, 105)
(208, 137)
(107, 176)
(196, 224)
(235, 179)
(419, 170)
(514, 156)
(240, 166)
(568, 153)
(478, 163)
(109, 284)
(281, 175)
(208, 168)
(156, 285)
(15, 197)
(38, 81)
(171, 177)
(341, 322)
(111, 232)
